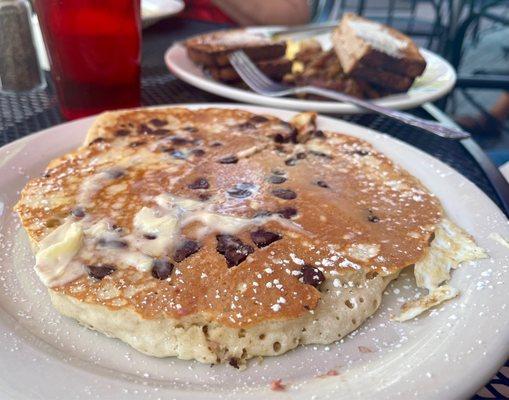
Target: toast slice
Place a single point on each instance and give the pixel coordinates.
(212, 49)
(361, 43)
(274, 69)
(383, 78)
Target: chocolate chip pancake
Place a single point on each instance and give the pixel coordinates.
(220, 235)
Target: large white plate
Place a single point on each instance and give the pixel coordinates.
(447, 354)
(438, 79)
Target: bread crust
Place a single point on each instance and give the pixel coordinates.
(212, 49)
(356, 53)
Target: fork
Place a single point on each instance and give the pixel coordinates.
(260, 83)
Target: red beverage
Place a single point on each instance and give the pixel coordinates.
(94, 50)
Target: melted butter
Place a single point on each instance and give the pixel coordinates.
(54, 260)
(218, 223)
(65, 252)
(91, 185)
(165, 228)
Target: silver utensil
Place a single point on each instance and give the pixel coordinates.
(260, 83)
(302, 30)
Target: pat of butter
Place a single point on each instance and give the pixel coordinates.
(138, 260)
(53, 261)
(169, 202)
(165, 228)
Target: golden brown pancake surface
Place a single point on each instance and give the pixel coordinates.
(326, 208)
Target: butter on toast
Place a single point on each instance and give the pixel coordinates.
(361, 44)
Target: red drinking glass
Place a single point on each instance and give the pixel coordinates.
(94, 50)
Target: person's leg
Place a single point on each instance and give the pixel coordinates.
(488, 124)
(500, 110)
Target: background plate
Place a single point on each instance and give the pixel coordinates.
(155, 10)
(438, 79)
(448, 353)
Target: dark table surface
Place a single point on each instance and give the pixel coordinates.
(22, 114)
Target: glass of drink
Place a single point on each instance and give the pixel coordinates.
(94, 51)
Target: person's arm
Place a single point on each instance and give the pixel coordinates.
(273, 12)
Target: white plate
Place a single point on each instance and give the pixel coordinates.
(438, 79)
(155, 10)
(447, 354)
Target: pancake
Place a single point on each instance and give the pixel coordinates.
(220, 235)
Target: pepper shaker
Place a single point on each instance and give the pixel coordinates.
(19, 65)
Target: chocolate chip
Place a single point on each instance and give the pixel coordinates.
(78, 212)
(177, 154)
(188, 248)
(320, 154)
(242, 186)
(246, 125)
(122, 132)
(158, 122)
(149, 236)
(373, 218)
(240, 191)
(291, 131)
(361, 152)
(263, 238)
(198, 152)
(160, 132)
(116, 228)
(258, 119)
(191, 129)
(285, 194)
(100, 271)
(216, 144)
(322, 184)
(234, 362)
(287, 212)
(301, 156)
(98, 140)
(115, 173)
(311, 275)
(178, 140)
(114, 244)
(161, 268)
(318, 134)
(144, 129)
(138, 143)
(263, 213)
(291, 162)
(204, 196)
(278, 172)
(229, 160)
(233, 249)
(279, 138)
(200, 183)
(276, 179)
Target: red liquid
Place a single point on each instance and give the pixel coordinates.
(94, 48)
